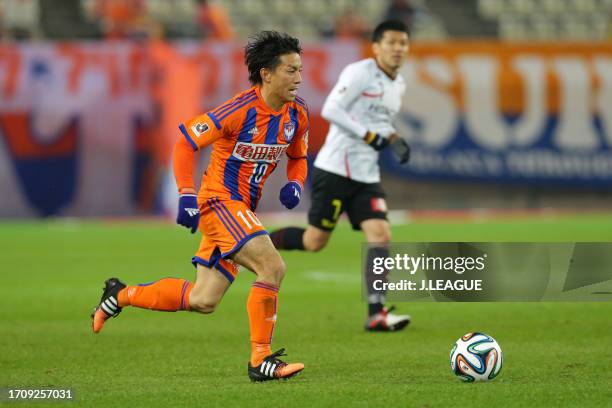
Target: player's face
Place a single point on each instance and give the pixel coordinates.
(286, 77)
(391, 50)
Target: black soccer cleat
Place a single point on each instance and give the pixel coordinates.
(272, 368)
(386, 321)
(109, 304)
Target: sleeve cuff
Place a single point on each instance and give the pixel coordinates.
(298, 183)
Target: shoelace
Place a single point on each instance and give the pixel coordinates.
(274, 358)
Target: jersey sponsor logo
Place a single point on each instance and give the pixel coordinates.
(289, 131)
(252, 152)
(253, 131)
(200, 128)
(380, 109)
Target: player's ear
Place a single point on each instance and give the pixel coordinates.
(265, 75)
(375, 48)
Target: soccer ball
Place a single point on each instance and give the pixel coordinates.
(476, 357)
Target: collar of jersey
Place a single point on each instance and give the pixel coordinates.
(265, 106)
(383, 71)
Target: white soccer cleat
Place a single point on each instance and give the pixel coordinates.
(386, 321)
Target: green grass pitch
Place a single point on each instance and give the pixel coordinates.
(556, 354)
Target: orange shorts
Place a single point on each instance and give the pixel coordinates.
(226, 225)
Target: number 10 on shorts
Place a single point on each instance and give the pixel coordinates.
(251, 216)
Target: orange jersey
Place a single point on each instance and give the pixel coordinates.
(249, 139)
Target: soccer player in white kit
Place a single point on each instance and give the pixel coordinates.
(346, 175)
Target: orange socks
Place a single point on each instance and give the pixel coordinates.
(171, 294)
(261, 307)
(168, 294)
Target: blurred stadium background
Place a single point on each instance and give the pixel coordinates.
(509, 102)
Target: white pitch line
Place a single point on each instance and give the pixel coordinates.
(335, 277)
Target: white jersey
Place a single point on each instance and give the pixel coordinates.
(364, 99)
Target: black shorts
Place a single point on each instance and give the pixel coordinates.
(333, 194)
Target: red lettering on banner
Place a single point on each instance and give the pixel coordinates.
(208, 64)
(140, 62)
(82, 59)
(318, 61)
(112, 71)
(239, 72)
(11, 60)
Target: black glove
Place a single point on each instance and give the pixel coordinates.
(401, 149)
(376, 141)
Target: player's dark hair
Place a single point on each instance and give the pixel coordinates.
(264, 50)
(388, 25)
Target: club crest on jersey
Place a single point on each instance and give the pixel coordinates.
(289, 131)
(200, 128)
(252, 152)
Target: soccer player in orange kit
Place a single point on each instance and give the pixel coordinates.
(249, 134)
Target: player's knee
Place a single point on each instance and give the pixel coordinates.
(378, 233)
(315, 245)
(315, 242)
(315, 239)
(273, 271)
(205, 307)
(279, 270)
(280, 273)
(385, 236)
(202, 305)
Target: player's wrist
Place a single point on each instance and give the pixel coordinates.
(299, 185)
(369, 137)
(187, 190)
